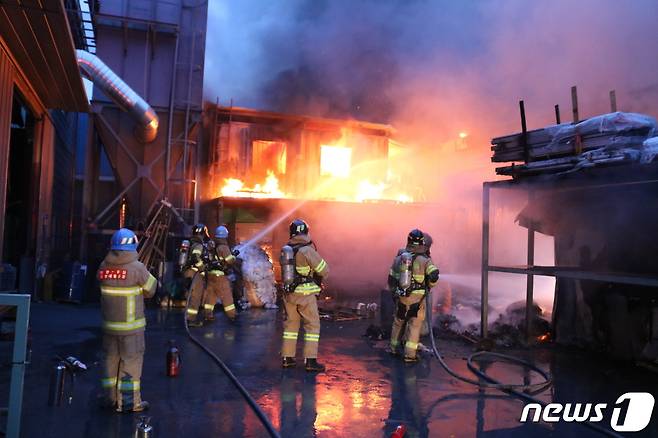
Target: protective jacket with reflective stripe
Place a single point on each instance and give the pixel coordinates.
(421, 268)
(124, 283)
(222, 254)
(308, 263)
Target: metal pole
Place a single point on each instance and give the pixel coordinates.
(530, 279)
(484, 301)
(186, 132)
(574, 104)
(524, 132)
(613, 101)
(557, 114)
(22, 302)
(170, 123)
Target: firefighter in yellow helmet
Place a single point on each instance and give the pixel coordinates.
(412, 275)
(219, 286)
(195, 270)
(124, 283)
(303, 270)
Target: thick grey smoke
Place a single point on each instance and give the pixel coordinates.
(368, 59)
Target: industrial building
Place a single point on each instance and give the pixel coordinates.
(104, 125)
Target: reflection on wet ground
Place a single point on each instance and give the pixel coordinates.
(365, 392)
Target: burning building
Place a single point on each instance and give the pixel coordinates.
(266, 168)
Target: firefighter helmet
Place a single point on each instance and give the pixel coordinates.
(200, 230)
(221, 232)
(124, 240)
(416, 237)
(298, 226)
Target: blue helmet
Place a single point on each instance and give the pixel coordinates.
(221, 232)
(124, 240)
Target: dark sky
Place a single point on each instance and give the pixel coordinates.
(433, 68)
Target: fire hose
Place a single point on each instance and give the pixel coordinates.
(521, 391)
(234, 380)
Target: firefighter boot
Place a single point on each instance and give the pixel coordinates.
(141, 407)
(312, 365)
(289, 362)
(411, 360)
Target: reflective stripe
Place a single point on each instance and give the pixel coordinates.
(150, 283)
(418, 292)
(411, 345)
(121, 291)
(109, 382)
(129, 385)
(308, 289)
(229, 308)
(394, 342)
(209, 306)
(197, 251)
(124, 326)
(217, 273)
(430, 269)
(192, 311)
(312, 337)
(290, 335)
(130, 309)
(229, 259)
(321, 266)
(303, 270)
(419, 278)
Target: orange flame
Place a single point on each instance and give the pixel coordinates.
(235, 188)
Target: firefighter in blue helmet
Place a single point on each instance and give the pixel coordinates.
(125, 282)
(220, 261)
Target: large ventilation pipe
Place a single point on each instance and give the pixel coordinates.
(116, 89)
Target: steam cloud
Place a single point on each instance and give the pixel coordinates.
(434, 69)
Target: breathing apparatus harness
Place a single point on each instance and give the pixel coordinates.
(292, 278)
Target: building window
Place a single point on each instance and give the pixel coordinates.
(335, 161)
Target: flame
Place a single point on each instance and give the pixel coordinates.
(340, 179)
(235, 188)
(335, 161)
(543, 338)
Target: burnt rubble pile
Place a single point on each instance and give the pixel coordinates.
(508, 330)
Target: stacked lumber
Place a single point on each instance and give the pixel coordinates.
(559, 148)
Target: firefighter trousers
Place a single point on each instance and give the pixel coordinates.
(301, 308)
(409, 312)
(219, 286)
(196, 296)
(123, 356)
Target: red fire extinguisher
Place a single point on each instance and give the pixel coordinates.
(400, 431)
(173, 360)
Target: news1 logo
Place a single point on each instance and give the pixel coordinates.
(631, 412)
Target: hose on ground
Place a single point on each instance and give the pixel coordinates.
(234, 380)
(521, 391)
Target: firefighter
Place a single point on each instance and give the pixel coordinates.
(196, 271)
(125, 282)
(303, 271)
(219, 286)
(412, 275)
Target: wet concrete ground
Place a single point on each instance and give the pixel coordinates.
(364, 393)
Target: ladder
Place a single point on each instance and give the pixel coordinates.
(152, 250)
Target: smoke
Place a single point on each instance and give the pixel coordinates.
(432, 69)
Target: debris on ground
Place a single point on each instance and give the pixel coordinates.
(508, 330)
